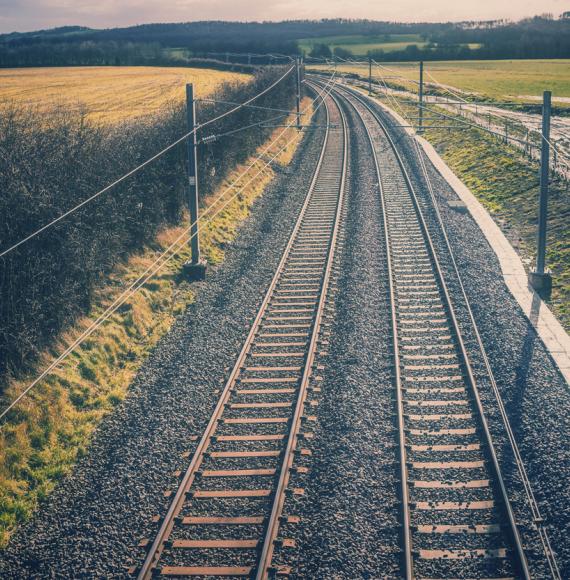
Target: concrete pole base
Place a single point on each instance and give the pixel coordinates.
(542, 283)
(195, 271)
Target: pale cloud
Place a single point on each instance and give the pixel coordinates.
(25, 15)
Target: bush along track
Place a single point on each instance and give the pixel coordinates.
(51, 428)
(48, 164)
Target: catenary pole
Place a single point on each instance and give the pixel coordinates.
(192, 173)
(540, 279)
(421, 98)
(298, 75)
(544, 176)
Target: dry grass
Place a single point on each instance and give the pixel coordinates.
(108, 94)
(54, 424)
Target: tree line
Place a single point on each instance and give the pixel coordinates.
(151, 44)
(50, 162)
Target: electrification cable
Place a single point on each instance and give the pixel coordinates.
(142, 165)
(166, 255)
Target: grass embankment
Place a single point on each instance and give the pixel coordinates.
(108, 94)
(507, 184)
(53, 426)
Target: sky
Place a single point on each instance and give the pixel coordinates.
(26, 15)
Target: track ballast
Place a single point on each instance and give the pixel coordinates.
(224, 517)
(456, 516)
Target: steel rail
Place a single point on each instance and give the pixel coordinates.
(161, 260)
(533, 504)
(273, 525)
(515, 536)
(160, 540)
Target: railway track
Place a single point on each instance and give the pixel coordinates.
(456, 516)
(224, 518)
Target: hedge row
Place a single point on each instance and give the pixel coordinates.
(49, 163)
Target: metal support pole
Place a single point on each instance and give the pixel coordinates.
(369, 75)
(227, 57)
(421, 99)
(544, 175)
(195, 268)
(540, 280)
(192, 173)
(298, 76)
(249, 58)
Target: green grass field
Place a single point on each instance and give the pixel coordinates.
(359, 45)
(502, 79)
(519, 80)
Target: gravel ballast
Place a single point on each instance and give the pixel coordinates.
(90, 526)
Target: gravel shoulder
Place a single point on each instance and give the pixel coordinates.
(90, 526)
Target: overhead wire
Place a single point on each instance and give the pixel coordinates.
(538, 131)
(141, 166)
(165, 256)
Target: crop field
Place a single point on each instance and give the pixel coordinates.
(519, 80)
(360, 45)
(107, 94)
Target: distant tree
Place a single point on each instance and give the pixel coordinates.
(376, 54)
(320, 51)
(342, 52)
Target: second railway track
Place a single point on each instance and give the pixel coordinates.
(224, 518)
(457, 521)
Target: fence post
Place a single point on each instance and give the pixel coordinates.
(506, 131)
(195, 268)
(421, 99)
(540, 279)
(369, 75)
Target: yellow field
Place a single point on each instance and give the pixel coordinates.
(108, 94)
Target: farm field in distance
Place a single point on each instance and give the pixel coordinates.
(108, 94)
(359, 45)
(520, 80)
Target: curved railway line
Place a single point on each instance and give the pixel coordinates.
(455, 508)
(456, 513)
(457, 522)
(225, 516)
